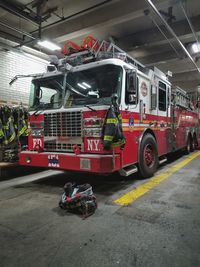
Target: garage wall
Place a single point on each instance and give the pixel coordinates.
(14, 63)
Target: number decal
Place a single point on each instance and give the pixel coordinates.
(37, 142)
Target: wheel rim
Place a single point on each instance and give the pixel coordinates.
(149, 155)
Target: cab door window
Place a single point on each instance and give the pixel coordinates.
(162, 97)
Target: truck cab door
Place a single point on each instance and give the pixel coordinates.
(131, 94)
(162, 100)
(164, 116)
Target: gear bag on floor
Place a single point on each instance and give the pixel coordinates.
(79, 198)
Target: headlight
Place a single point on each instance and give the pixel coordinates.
(93, 127)
(93, 132)
(93, 122)
(36, 132)
(28, 160)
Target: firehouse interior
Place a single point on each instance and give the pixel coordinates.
(100, 133)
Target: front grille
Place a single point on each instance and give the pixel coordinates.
(63, 124)
(60, 147)
(62, 131)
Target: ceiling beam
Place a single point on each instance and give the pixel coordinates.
(187, 80)
(18, 11)
(109, 15)
(159, 58)
(178, 66)
(152, 48)
(189, 75)
(11, 46)
(164, 55)
(153, 37)
(23, 33)
(9, 36)
(188, 86)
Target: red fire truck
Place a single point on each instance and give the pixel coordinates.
(69, 106)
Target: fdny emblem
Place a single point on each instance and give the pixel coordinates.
(143, 89)
(131, 124)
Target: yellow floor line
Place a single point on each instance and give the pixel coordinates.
(144, 188)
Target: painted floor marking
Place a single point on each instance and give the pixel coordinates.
(156, 180)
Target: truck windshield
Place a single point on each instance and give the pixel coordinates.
(93, 86)
(46, 93)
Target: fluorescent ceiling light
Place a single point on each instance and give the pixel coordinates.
(195, 48)
(49, 45)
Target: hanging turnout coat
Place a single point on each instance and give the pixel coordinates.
(20, 115)
(8, 125)
(1, 131)
(113, 134)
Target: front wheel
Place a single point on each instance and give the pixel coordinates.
(148, 156)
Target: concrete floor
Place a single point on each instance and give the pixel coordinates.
(162, 228)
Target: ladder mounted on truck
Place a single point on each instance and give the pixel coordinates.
(93, 50)
(186, 100)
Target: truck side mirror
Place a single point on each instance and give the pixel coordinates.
(132, 87)
(132, 82)
(40, 94)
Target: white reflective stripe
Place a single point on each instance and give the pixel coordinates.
(135, 125)
(124, 124)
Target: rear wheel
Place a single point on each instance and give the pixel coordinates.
(148, 156)
(195, 142)
(192, 145)
(189, 145)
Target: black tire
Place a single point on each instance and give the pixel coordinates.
(192, 145)
(148, 156)
(188, 147)
(195, 142)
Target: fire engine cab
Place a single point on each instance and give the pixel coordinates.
(69, 108)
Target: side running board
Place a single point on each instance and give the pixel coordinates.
(162, 160)
(128, 170)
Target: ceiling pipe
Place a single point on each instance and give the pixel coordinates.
(18, 12)
(25, 51)
(190, 23)
(17, 30)
(73, 15)
(147, 13)
(29, 42)
(7, 34)
(149, 2)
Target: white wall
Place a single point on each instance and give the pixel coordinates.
(14, 63)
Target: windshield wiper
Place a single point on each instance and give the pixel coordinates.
(90, 108)
(40, 108)
(37, 111)
(74, 90)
